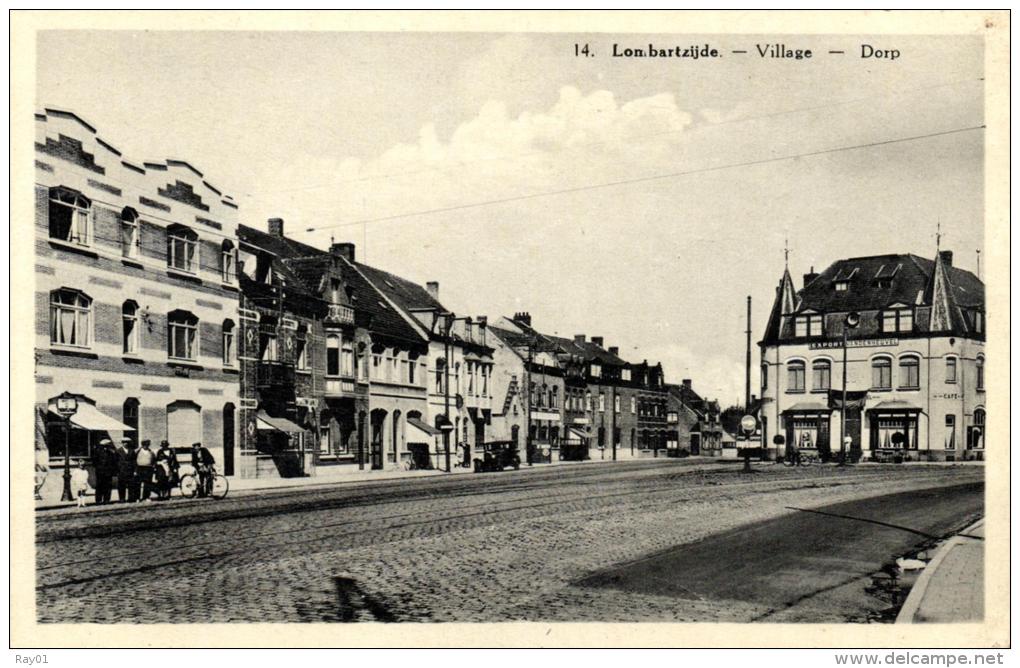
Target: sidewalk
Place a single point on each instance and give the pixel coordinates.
(51, 491)
(952, 587)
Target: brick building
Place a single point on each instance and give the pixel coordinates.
(693, 422)
(915, 362)
(136, 296)
(333, 377)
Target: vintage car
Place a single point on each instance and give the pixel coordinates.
(496, 456)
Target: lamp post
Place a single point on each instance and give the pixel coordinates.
(67, 406)
(850, 322)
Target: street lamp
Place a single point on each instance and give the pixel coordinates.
(852, 320)
(67, 405)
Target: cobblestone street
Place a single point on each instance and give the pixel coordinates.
(499, 547)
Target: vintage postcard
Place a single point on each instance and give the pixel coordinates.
(510, 329)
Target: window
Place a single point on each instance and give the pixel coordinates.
(795, 376)
(821, 375)
(70, 318)
(980, 365)
(228, 262)
(898, 320)
(909, 372)
(764, 376)
(625, 374)
(347, 358)
(332, 355)
(228, 343)
(268, 349)
(182, 339)
(377, 369)
(633, 405)
(950, 369)
(950, 432)
(881, 373)
(808, 325)
(440, 365)
(129, 329)
(616, 403)
(470, 378)
(301, 349)
(587, 401)
(180, 248)
(979, 322)
(70, 216)
(325, 447)
(411, 365)
(842, 286)
(129, 232)
(596, 370)
(602, 403)
(485, 381)
(976, 433)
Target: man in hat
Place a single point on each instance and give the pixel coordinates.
(126, 470)
(203, 461)
(144, 461)
(104, 459)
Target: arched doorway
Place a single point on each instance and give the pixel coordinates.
(394, 456)
(376, 446)
(228, 439)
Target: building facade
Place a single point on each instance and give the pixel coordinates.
(136, 297)
(914, 361)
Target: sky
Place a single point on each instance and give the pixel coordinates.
(605, 196)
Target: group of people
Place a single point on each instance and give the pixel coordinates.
(140, 473)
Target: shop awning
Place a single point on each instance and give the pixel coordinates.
(545, 415)
(90, 418)
(424, 430)
(267, 422)
(808, 407)
(579, 433)
(894, 406)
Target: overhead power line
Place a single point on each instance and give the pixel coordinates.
(633, 138)
(644, 179)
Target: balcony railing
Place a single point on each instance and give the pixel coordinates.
(340, 314)
(274, 374)
(338, 387)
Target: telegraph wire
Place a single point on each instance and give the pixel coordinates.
(645, 179)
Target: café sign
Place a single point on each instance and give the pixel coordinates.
(854, 343)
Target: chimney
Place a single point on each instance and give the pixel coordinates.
(276, 227)
(598, 341)
(523, 317)
(947, 258)
(810, 276)
(344, 250)
(482, 320)
(686, 383)
(578, 338)
(432, 287)
(614, 350)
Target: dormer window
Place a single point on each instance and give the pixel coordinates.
(596, 370)
(979, 322)
(898, 318)
(885, 274)
(809, 324)
(841, 286)
(883, 283)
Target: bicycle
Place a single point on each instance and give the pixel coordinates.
(218, 485)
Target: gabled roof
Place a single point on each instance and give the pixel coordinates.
(303, 265)
(876, 282)
(407, 294)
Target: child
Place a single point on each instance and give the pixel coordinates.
(80, 483)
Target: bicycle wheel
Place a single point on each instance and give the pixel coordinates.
(189, 486)
(220, 487)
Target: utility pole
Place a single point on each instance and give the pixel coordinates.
(446, 393)
(747, 370)
(528, 445)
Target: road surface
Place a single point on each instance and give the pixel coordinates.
(476, 548)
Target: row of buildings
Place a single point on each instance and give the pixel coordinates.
(167, 318)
